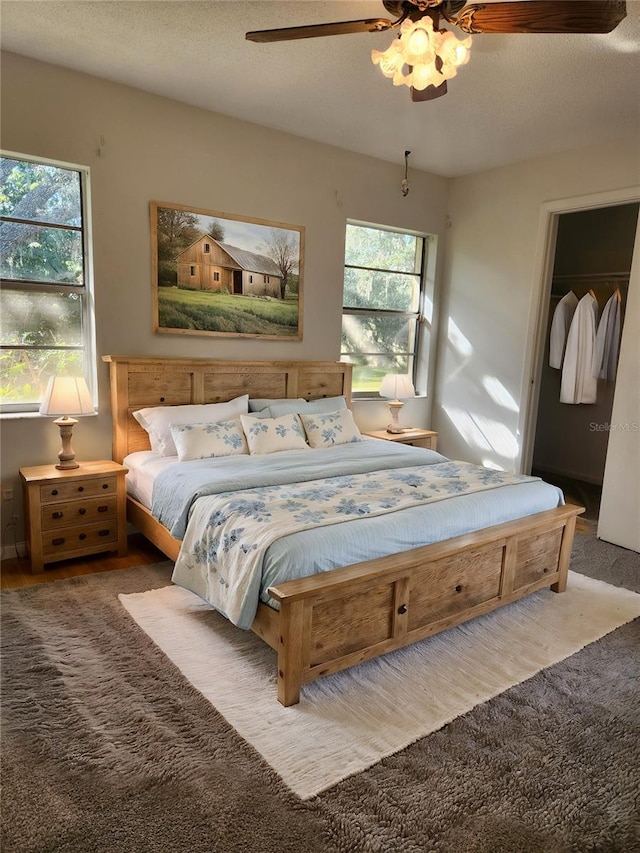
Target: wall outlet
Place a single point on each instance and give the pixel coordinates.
(7, 494)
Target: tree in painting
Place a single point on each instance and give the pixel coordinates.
(281, 247)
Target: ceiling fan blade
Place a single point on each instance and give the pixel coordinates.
(428, 94)
(339, 28)
(542, 16)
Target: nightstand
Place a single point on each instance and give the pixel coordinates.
(75, 512)
(416, 437)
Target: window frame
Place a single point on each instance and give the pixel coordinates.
(414, 356)
(85, 291)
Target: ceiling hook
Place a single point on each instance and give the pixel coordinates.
(404, 184)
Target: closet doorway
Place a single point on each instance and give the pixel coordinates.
(593, 254)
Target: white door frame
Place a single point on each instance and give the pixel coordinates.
(539, 307)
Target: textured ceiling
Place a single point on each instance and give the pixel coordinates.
(520, 96)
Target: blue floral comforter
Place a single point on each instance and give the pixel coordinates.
(234, 544)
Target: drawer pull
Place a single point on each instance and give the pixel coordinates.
(104, 532)
(54, 492)
(57, 514)
(105, 485)
(82, 536)
(103, 508)
(81, 488)
(82, 511)
(402, 609)
(58, 541)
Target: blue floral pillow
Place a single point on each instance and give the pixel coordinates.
(270, 435)
(202, 441)
(325, 430)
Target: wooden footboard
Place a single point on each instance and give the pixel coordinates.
(335, 620)
(338, 619)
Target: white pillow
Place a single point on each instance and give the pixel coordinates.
(157, 420)
(270, 435)
(202, 441)
(325, 430)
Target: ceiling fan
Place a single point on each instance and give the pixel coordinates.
(424, 56)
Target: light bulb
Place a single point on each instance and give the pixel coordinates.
(423, 76)
(418, 42)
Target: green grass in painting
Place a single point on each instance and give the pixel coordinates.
(221, 312)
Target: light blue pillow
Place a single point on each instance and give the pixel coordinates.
(324, 405)
(304, 407)
(259, 403)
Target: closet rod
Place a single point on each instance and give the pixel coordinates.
(592, 276)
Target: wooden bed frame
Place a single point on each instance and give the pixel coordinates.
(337, 619)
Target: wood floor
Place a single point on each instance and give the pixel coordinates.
(17, 572)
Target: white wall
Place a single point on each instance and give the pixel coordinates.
(619, 520)
(152, 148)
(490, 293)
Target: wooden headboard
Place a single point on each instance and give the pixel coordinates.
(140, 382)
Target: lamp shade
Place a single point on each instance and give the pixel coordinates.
(67, 395)
(397, 386)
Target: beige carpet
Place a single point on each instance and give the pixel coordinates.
(351, 720)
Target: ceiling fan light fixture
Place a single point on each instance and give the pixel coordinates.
(432, 56)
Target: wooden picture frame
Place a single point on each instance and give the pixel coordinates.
(217, 273)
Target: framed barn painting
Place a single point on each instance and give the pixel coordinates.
(220, 274)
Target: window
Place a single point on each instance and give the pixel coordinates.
(46, 319)
(216, 276)
(250, 279)
(192, 270)
(207, 248)
(382, 301)
(266, 279)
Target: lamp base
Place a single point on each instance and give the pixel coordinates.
(67, 454)
(394, 407)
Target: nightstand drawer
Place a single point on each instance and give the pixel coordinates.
(54, 493)
(427, 443)
(57, 544)
(426, 438)
(82, 512)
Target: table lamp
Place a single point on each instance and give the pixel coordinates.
(397, 386)
(66, 396)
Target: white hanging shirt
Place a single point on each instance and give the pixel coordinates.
(605, 354)
(578, 385)
(562, 317)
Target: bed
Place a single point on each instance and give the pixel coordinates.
(336, 619)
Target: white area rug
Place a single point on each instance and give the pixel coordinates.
(349, 721)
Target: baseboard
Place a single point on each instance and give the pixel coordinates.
(12, 552)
